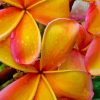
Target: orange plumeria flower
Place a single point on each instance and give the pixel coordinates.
(57, 74)
(93, 18)
(19, 19)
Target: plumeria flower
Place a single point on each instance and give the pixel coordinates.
(92, 57)
(93, 18)
(93, 53)
(19, 19)
(56, 74)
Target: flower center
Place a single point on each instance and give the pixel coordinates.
(25, 9)
(40, 71)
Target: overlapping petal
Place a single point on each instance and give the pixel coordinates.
(9, 18)
(6, 58)
(59, 38)
(26, 41)
(74, 61)
(72, 84)
(84, 39)
(23, 3)
(50, 9)
(81, 37)
(93, 19)
(17, 3)
(22, 89)
(92, 58)
(31, 3)
(44, 91)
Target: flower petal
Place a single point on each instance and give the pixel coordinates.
(47, 11)
(89, 0)
(97, 2)
(64, 98)
(84, 39)
(24, 3)
(93, 19)
(72, 84)
(9, 18)
(92, 58)
(81, 38)
(58, 40)
(6, 58)
(72, 63)
(26, 40)
(16, 3)
(31, 3)
(22, 89)
(44, 91)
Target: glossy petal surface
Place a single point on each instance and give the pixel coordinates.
(26, 40)
(74, 61)
(93, 19)
(9, 19)
(92, 58)
(58, 40)
(31, 3)
(50, 9)
(23, 3)
(6, 58)
(71, 84)
(22, 89)
(44, 91)
(17, 3)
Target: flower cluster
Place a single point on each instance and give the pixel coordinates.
(59, 67)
